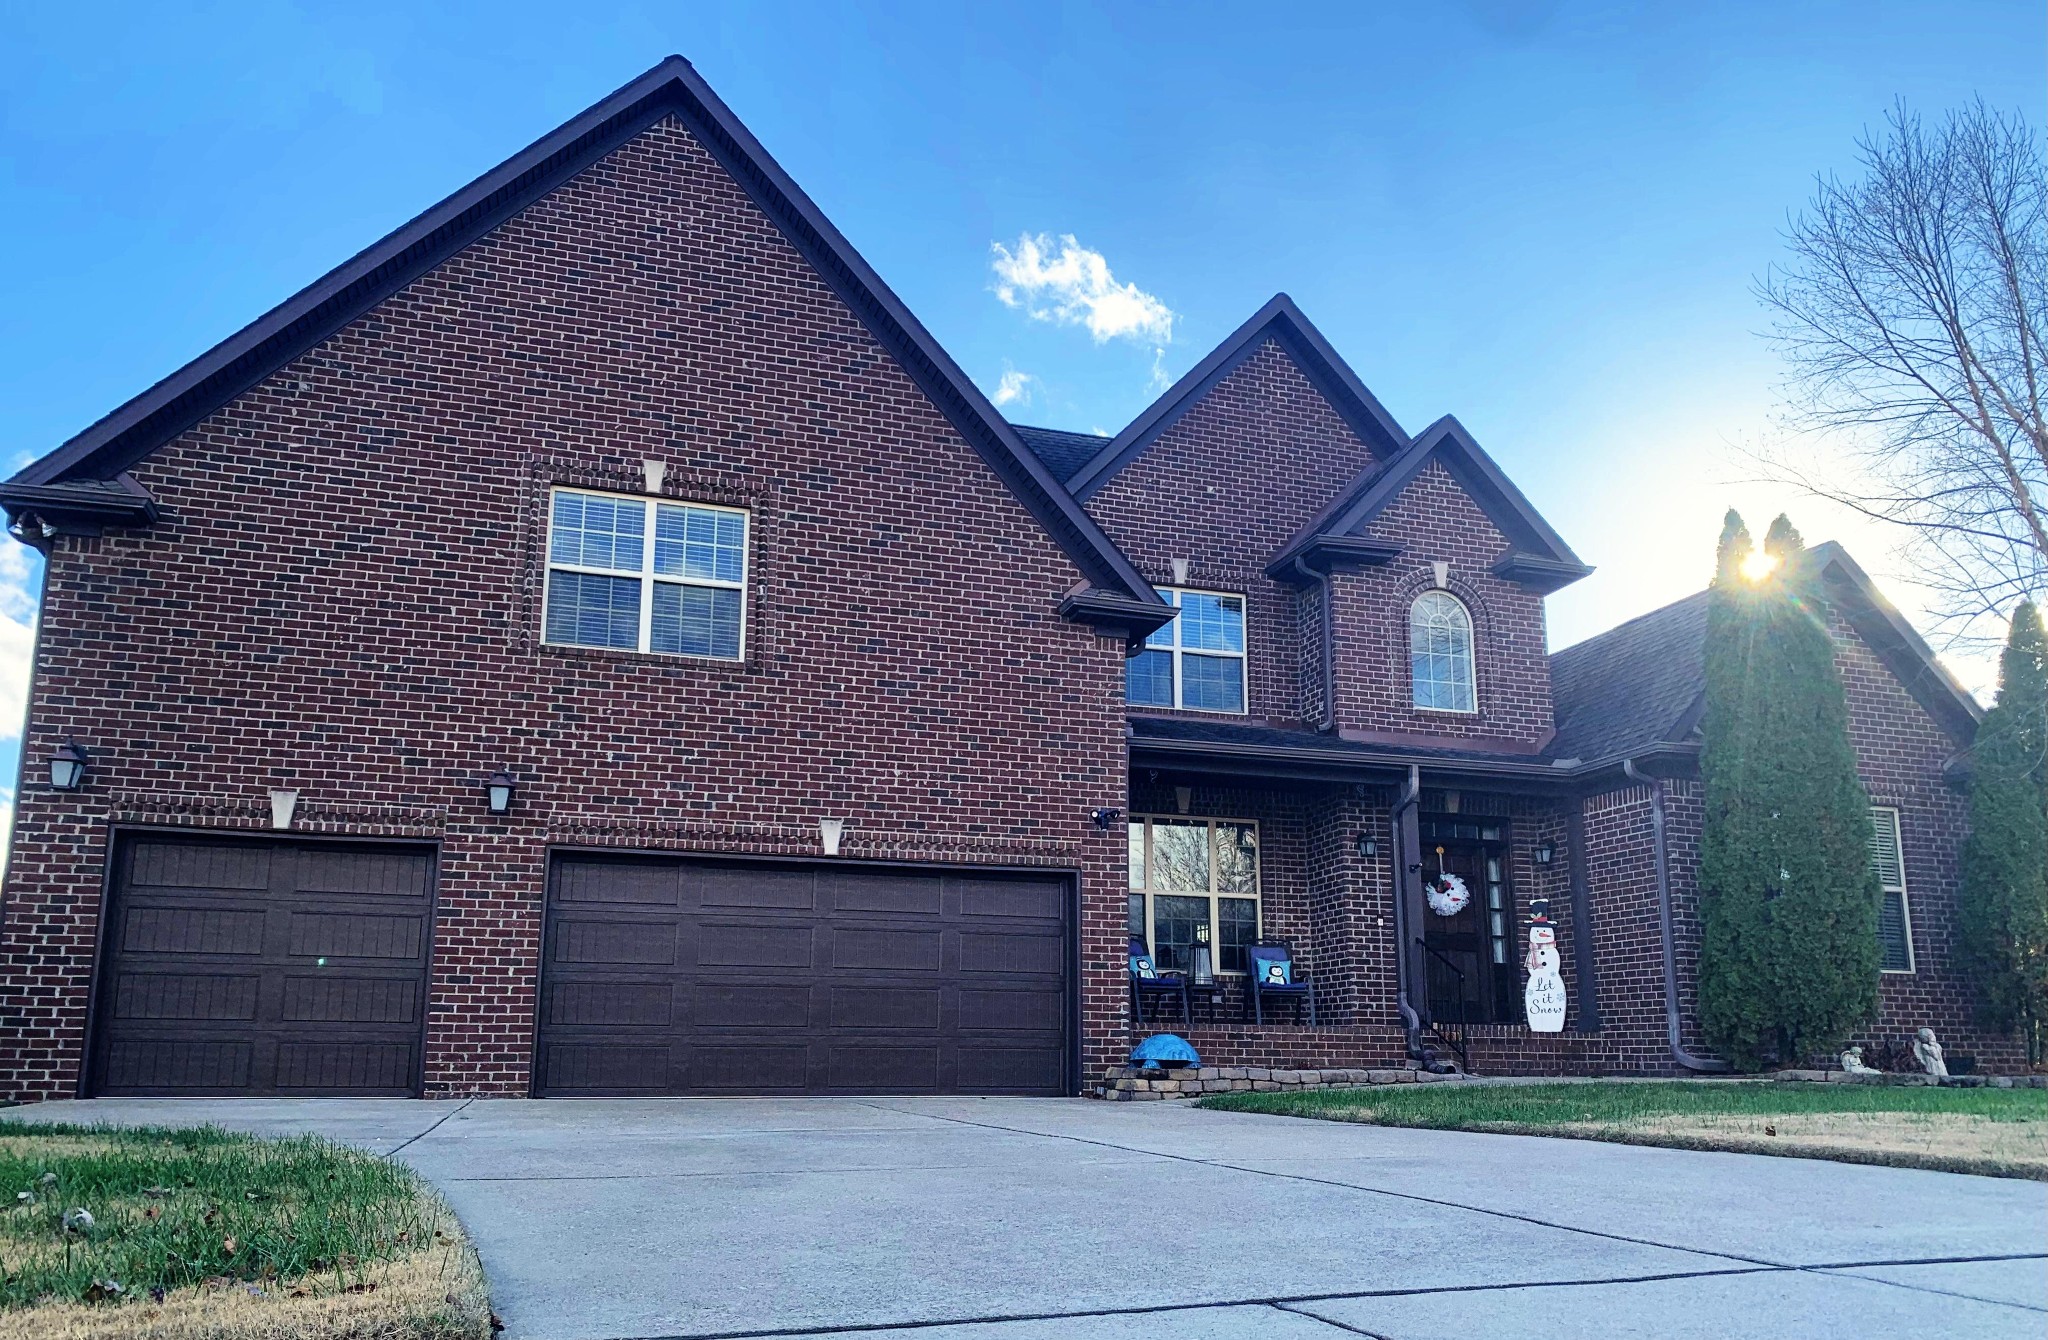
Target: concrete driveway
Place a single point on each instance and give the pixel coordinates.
(1031, 1219)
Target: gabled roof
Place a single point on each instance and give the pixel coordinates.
(1063, 452)
(1643, 684)
(672, 88)
(1278, 320)
(1538, 555)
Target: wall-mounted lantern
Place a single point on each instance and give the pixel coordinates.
(498, 789)
(1368, 846)
(67, 766)
(1546, 853)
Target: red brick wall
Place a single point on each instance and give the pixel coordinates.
(1225, 487)
(343, 600)
(1437, 522)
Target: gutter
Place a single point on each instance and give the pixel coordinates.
(1661, 848)
(1407, 868)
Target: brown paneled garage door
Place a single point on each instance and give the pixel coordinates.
(669, 975)
(260, 966)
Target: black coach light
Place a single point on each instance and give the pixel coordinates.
(1368, 846)
(498, 788)
(67, 766)
(1546, 853)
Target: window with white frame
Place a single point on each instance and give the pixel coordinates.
(1195, 662)
(641, 574)
(1894, 921)
(1195, 885)
(1440, 653)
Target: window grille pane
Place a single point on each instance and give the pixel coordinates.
(1173, 931)
(1440, 653)
(1163, 635)
(696, 621)
(1148, 679)
(1137, 830)
(597, 532)
(1237, 858)
(1212, 683)
(1211, 623)
(587, 610)
(699, 543)
(1134, 924)
(1237, 926)
(1180, 856)
(1893, 933)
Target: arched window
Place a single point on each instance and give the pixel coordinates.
(1440, 653)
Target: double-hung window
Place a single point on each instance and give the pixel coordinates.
(1195, 882)
(639, 574)
(1894, 923)
(1195, 662)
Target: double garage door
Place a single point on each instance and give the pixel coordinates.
(670, 975)
(259, 966)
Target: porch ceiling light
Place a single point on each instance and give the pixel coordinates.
(498, 789)
(67, 766)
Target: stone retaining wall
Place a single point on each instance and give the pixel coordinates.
(1129, 1083)
(1909, 1081)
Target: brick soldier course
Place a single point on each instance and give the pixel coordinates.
(314, 561)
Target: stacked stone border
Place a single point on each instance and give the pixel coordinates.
(1892, 1081)
(1132, 1083)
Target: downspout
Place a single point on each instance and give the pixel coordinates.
(1328, 641)
(1662, 853)
(1407, 841)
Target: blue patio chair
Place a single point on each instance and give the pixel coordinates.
(1147, 980)
(1274, 974)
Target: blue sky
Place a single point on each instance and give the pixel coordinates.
(1543, 218)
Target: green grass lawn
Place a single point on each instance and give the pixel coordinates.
(1998, 1131)
(221, 1229)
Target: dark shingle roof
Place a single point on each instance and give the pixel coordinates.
(1202, 730)
(1632, 686)
(1063, 452)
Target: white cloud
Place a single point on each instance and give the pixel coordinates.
(1014, 388)
(1061, 281)
(18, 582)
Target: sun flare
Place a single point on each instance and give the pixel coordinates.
(1757, 564)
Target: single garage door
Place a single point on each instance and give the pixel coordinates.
(669, 975)
(259, 966)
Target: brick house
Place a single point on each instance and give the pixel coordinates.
(596, 642)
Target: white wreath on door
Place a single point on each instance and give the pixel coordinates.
(1448, 896)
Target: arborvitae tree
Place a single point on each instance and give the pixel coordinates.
(2004, 904)
(1788, 899)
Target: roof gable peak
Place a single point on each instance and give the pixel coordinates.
(1281, 320)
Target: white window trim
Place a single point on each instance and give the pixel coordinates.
(1257, 897)
(1897, 819)
(1244, 678)
(646, 574)
(1471, 646)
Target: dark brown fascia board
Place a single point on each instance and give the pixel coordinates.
(1113, 614)
(1324, 554)
(36, 512)
(673, 87)
(1895, 641)
(1254, 758)
(1280, 319)
(1496, 495)
(1537, 572)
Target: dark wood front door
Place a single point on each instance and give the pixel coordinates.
(673, 975)
(1471, 961)
(251, 966)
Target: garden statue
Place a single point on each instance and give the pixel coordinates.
(1928, 1053)
(1852, 1063)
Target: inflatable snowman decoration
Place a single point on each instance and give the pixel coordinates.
(1543, 998)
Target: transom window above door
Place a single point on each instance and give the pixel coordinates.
(1195, 662)
(1194, 889)
(637, 574)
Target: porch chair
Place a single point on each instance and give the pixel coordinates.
(1273, 974)
(1147, 980)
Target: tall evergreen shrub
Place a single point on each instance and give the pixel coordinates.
(1788, 898)
(2004, 904)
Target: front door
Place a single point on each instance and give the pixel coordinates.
(1470, 963)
